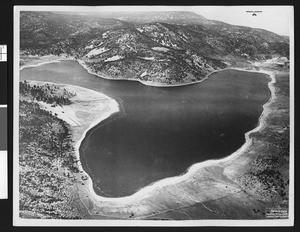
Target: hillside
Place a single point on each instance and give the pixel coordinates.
(174, 17)
(158, 47)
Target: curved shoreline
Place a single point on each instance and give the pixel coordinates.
(147, 83)
(192, 169)
(195, 167)
(57, 60)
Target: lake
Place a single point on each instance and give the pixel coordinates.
(161, 132)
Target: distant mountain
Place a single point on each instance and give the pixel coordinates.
(47, 30)
(161, 47)
(141, 17)
(174, 17)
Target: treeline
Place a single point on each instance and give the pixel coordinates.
(46, 93)
(47, 165)
(58, 141)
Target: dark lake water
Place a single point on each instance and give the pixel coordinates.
(161, 132)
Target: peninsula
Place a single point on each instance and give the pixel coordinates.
(159, 49)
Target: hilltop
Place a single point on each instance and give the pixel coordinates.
(159, 47)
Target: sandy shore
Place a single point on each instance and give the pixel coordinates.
(204, 182)
(148, 83)
(34, 61)
(194, 168)
(88, 108)
(204, 185)
(56, 59)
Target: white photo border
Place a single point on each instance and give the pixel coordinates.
(17, 221)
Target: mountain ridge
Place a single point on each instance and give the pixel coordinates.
(168, 48)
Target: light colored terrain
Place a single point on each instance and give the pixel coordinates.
(209, 190)
(203, 192)
(35, 61)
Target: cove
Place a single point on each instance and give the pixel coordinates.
(161, 132)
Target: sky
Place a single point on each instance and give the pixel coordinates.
(275, 19)
(278, 19)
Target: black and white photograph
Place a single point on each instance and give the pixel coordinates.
(153, 116)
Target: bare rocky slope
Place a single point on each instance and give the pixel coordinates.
(158, 47)
(120, 45)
